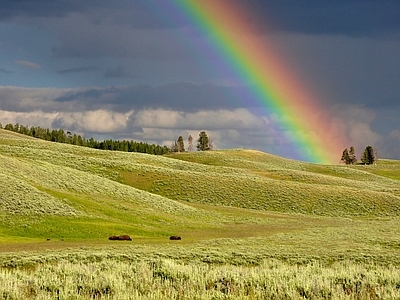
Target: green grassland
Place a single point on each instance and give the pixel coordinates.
(253, 225)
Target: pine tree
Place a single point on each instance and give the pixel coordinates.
(202, 142)
(352, 155)
(349, 156)
(368, 156)
(345, 157)
(180, 146)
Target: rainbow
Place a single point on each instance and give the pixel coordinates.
(304, 123)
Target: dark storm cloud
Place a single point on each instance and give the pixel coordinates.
(187, 97)
(137, 14)
(102, 40)
(78, 70)
(342, 17)
(349, 17)
(10, 9)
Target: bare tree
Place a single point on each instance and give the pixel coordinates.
(210, 143)
(190, 143)
(174, 146)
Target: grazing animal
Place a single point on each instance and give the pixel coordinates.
(120, 238)
(175, 238)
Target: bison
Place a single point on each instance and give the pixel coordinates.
(120, 238)
(175, 238)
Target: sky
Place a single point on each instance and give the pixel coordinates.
(145, 70)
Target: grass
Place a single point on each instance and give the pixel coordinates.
(269, 280)
(253, 225)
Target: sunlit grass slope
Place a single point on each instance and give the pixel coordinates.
(59, 191)
(252, 179)
(50, 190)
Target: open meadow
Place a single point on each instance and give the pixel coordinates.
(253, 225)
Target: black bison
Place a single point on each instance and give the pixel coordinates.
(120, 238)
(175, 238)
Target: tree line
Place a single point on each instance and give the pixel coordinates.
(204, 142)
(369, 156)
(60, 136)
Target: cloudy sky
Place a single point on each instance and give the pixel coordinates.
(138, 70)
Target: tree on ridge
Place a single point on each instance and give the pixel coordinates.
(369, 156)
(180, 146)
(203, 142)
(190, 143)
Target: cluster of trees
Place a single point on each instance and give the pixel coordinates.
(369, 156)
(60, 136)
(204, 143)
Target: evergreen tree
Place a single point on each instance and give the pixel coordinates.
(9, 127)
(202, 142)
(180, 146)
(368, 157)
(1, 126)
(352, 155)
(345, 157)
(349, 157)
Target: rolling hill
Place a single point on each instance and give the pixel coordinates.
(52, 190)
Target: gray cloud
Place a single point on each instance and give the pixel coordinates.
(42, 8)
(80, 37)
(179, 96)
(344, 69)
(78, 70)
(187, 97)
(134, 14)
(343, 17)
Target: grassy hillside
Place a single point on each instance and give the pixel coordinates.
(250, 223)
(57, 190)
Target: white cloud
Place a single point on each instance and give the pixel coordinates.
(35, 118)
(99, 121)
